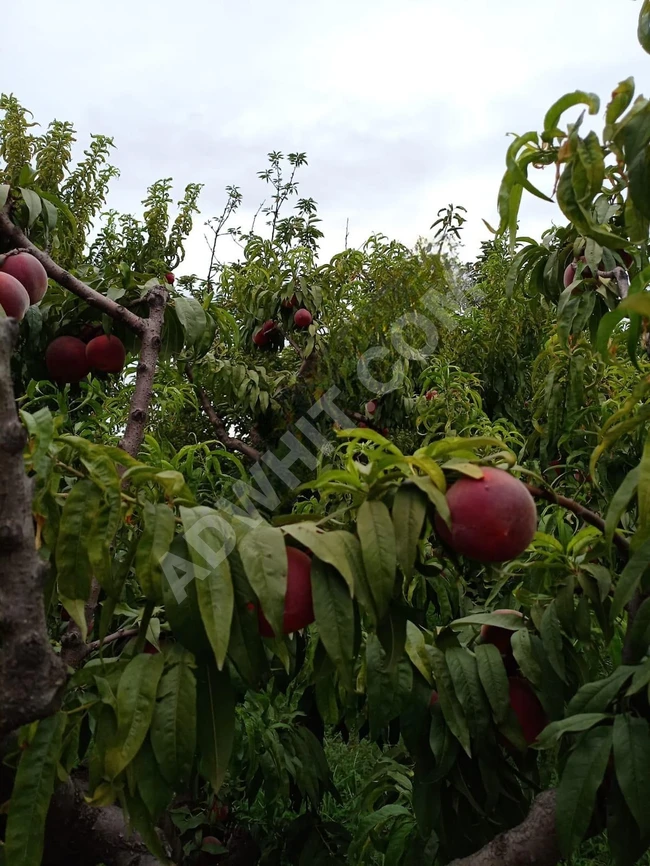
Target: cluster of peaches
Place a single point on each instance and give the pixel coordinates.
(267, 334)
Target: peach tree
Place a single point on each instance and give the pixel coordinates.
(297, 498)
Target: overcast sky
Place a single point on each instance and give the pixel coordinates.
(401, 105)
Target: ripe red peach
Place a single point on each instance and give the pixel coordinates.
(298, 602)
(371, 407)
(66, 360)
(106, 353)
(527, 708)
(30, 272)
(493, 519)
(14, 299)
(302, 319)
(498, 636)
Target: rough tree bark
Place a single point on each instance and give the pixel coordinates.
(85, 835)
(149, 351)
(31, 675)
(531, 843)
(579, 510)
(229, 442)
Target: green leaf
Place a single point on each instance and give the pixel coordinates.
(154, 544)
(643, 30)
(494, 680)
(632, 761)
(215, 723)
(503, 620)
(409, 512)
(33, 202)
(643, 497)
(4, 194)
(620, 502)
(630, 578)
(173, 727)
(551, 634)
(388, 686)
(32, 791)
(136, 699)
(597, 696)
(576, 793)
(334, 612)
(524, 653)
(449, 703)
(140, 821)
(180, 597)
(210, 540)
(377, 537)
(467, 685)
(639, 634)
(155, 791)
(555, 112)
(639, 303)
(582, 722)
(264, 557)
(417, 651)
(191, 315)
(338, 548)
(622, 96)
(72, 563)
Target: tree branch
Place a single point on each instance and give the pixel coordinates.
(15, 235)
(31, 676)
(621, 277)
(86, 835)
(149, 352)
(531, 843)
(218, 426)
(580, 511)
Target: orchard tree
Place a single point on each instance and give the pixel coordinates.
(393, 496)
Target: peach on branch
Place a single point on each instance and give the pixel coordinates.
(493, 519)
(371, 407)
(527, 708)
(66, 360)
(29, 271)
(170, 278)
(298, 602)
(302, 319)
(106, 353)
(14, 299)
(498, 636)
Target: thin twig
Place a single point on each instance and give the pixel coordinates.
(229, 442)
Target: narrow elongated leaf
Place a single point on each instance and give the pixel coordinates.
(34, 204)
(154, 789)
(136, 698)
(154, 544)
(551, 634)
(632, 762)
(33, 787)
(525, 656)
(582, 722)
(449, 703)
(74, 571)
(597, 696)
(643, 30)
(180, 597)
(264, 557)
(494, 680)
(416, 650)
(630, 578)
(192, 317)
(210, 539)
(555, 112)
(173, 727)
(620, 502)
(338, 548)
(388, 687)
(215, 723)
(467, 685)
(576, 793)
(409, 511)
(377, 537)
(334, 612)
